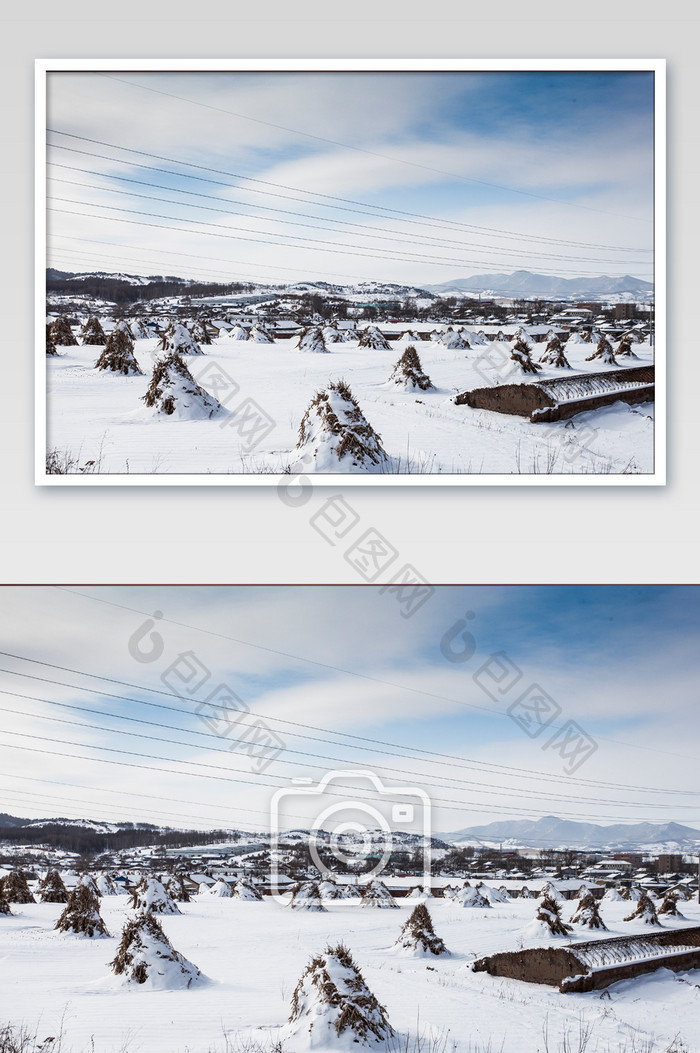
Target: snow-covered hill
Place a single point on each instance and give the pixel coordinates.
(131, 279)
(552, 832)
(525, 283)
(520, 283)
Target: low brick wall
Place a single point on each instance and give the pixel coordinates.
(600, 978)
(519, 400)
(583, 966)
(558, 398)
(539, 965)
(565, 410)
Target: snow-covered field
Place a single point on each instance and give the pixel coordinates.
(99, 417)
(253, 954)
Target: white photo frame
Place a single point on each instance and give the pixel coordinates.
(283, 466)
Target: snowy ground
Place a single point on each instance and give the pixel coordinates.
(97, 417)
(254, 953)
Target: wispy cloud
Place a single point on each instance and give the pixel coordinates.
(472, 147)
(339, 675)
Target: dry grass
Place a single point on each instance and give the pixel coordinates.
(355, 1008)
(549, 912)
(553, 354)
(161, 377)
(65, 462)
(587, 913)
(82, 914)
(118, 355)
(358, 439)
(418, 932)
(408, 370)
(15, 888)
(604, 352)
(62, 333)
(92, 332)
(52, 889)
(521, 355)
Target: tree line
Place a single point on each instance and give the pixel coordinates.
(90, 842)
(118, 291)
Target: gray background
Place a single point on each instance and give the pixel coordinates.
(476, 534)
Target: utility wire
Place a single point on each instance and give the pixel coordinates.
(529, 838)
(72, 254)
(454, 805)
(192, 256)
(309, 244)
(409, 216)
(69, 803)
(372, 743)
(210, 805)
(497, 789)
(372, 153)
(348, 672)
(374, 232)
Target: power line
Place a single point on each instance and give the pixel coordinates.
(375, 232)
(361, 676)
(278, 720)
(373, 153)
(409, 216)
(73, 254)
(309, 244)
(493, 789)
(442, 224)
(192, 256)
(141, 796)
(62, 802)
(372, 742)
(455, 805)
(170, 800)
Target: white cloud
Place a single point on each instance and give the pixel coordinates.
(398, 118)
(637, 700)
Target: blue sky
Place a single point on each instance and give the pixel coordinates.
(561, 156)
(329, 668)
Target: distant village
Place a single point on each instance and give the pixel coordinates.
(521, 873)
(284, 317)
(544, 361)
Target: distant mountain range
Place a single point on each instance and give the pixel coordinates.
(131, 279)
(14, 822)
(525, 283)
(552, 832)
(89, 835)
(518, 284)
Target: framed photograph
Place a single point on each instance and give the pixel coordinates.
(349, 819)
(365, 272)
